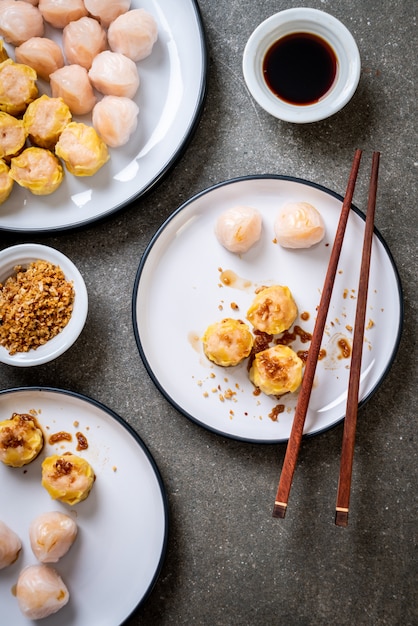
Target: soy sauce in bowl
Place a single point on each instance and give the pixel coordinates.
(300, 68)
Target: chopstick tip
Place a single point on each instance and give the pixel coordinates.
(279, 509)
(341, 517)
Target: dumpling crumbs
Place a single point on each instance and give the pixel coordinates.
(36, 303)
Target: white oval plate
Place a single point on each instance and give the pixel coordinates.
(170, 98)
(121, 543)
(178, 293)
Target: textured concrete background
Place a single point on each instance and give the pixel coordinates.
(228, 562)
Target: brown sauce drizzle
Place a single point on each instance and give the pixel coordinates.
(275, 412)
(82, 443)
(61, 436)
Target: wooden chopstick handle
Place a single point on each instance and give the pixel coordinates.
(293, 445)
(350, 422)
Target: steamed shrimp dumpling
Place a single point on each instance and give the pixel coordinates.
(10, 546)
(59, 13)
(239, 228)
(299, 225)
(107, 10)
(40, 591)
(42, 54)
(113, 74)
(51, 536)
(82, 40)
(20, 21)
(133, 34)
(72, 84)
(115, 118)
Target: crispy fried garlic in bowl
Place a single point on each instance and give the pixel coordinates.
(43, 304)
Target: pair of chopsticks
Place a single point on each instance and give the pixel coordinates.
(293, 446)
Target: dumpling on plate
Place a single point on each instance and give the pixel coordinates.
(299, 225)
(38, 170)
(239, 228)
(81, 149)
(17, 86)
(6, 181)
(72, 84)
(12, 135)
(51, 535)
(273, 310)
(40, 591)
(45, 119)
(10, 546)
(113, 74)
(82, 40)
(21, 440)
(67, 477)
(107, 10)
(115, 118)
(59, 13)
(227, 342)
(133, 34)
(19, 21)
(276, 371)
(42, 54)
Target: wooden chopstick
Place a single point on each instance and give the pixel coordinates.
(296, 433)
(350, 422)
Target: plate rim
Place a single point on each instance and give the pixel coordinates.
(162, 172)
(160, 230)
(138, 439)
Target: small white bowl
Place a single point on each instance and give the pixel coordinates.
(302, 20)
(25, 254)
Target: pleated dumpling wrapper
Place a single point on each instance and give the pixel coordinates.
(227, 342)
(21, 440)
(10, 546)
(273, 310)
(67, 477)
(51, 535)
(299, 225)
(40, 591)
(276, 371)
(81, 149)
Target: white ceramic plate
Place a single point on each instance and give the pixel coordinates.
(119, 550)
(170, 98)
(178, 292)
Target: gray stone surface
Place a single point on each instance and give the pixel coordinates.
(229, 563)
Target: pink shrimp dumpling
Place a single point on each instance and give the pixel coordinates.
(107, 10)
(299, 225)
(59, 13)
(239, 228)
(51, 536)
(82, 40)
(40, 591)
(20, 21)
(72, 84)
(133, 34)
(41, 54)
(113, 74)
(10, 546)
(115, 118)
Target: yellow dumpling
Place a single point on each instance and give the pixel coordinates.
(276, 371)
(6, 182)
(21, 440)
(12, 135)
(38, 170)
(17, 87)
(81, 149)
(273, 310)
(67, 477)
(45, 119)
(227, 342)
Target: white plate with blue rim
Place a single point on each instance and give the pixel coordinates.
(170, 100)
(180, 289)
(122, 525)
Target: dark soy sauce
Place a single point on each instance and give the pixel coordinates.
(300, 68)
